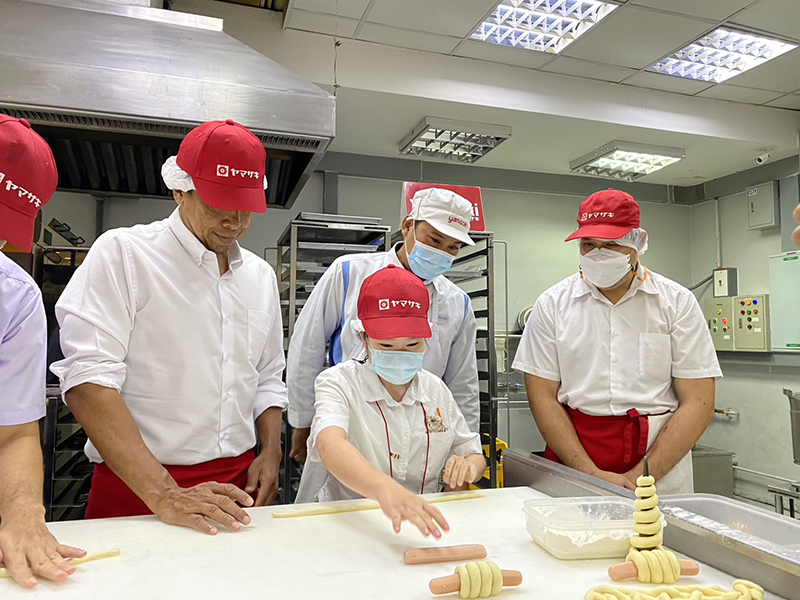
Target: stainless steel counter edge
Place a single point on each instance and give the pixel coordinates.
(734, 552)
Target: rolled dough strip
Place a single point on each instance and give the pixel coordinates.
(335, 510)
(4, 574)
(452, 583)
(628, 570)
(440, 554)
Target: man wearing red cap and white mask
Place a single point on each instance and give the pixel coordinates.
(385, 428)
(28, 178)
(173, 348)
(434, 232)
(618, 360)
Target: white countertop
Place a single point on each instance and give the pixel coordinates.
(346, 556)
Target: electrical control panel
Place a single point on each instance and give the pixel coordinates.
(751, 327)
(720, 317)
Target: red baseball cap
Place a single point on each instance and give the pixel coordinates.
(28, 178)
(226, 163)
(394, 303)
(609, 215)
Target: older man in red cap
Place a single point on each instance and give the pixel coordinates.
(28, 178)
(618, 360)
(173, 347)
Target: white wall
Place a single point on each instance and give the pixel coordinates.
(761, 438)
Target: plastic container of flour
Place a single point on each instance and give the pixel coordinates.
(581, 528)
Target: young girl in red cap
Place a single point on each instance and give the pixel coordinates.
(383, 427)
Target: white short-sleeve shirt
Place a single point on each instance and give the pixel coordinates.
(23, 346)
(421, 432)
(611, 358)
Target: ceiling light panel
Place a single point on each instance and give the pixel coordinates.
(720, 55)
(459, 141)
(542, 25)
(626, 160)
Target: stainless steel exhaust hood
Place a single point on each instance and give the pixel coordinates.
(115, 88)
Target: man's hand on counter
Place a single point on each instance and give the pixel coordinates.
(615, 478)
(263, 476)
(299, 451)
(190, 507)
(29, 550)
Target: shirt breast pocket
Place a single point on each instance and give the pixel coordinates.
(655, 357)
(259, 324)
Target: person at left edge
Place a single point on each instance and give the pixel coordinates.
(28, 178)
(173, 347)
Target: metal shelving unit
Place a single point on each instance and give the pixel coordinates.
(306, 248)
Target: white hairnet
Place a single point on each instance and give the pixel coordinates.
(635, 239)
(176, 178)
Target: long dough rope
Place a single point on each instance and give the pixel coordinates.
(742, 590)
(654, 563)
(4, 574)
(347, 508)
(480, 579)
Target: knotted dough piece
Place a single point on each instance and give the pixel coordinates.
(742, 590)
(480, 579)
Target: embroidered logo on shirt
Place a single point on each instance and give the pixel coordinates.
(436, 423)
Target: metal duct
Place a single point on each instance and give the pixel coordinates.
(114, 89)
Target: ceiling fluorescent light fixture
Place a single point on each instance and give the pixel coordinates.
(459, 141)
(720, 55)
(543, 25)
(626, 160)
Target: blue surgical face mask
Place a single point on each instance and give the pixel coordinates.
(396, 366)
(428, 263)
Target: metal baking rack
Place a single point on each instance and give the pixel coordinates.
(306, 248)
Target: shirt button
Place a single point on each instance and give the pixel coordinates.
(616, 333)
(226, 320)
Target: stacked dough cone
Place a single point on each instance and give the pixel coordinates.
(654, 564)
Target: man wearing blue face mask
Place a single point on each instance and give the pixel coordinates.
(434, 232)
(618, 360)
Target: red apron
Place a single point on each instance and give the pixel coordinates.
(615, 444)
(110, 497)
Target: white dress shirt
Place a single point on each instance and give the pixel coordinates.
(333, 306)
(197, 356)
(423, 430)
(23, 346)
(611, 358)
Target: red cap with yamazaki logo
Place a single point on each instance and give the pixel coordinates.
(609, 215)
(28, 178)
(226, 163)
(394, 303)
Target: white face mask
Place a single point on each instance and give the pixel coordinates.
(605, 268)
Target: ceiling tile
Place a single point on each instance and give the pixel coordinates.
(449, 17)
(667, 83)
(502, 54)
(319, 23)
(582, 68)
(404, 38)
(789, 101)
(779, 74)
(780, 17)
(736, 93)
(635, 37)
(353, 9)
(717, 10)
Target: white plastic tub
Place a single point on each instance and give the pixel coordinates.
(581, 528)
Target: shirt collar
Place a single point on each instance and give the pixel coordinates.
(195, 248)
(374, 390)
(643, 281)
